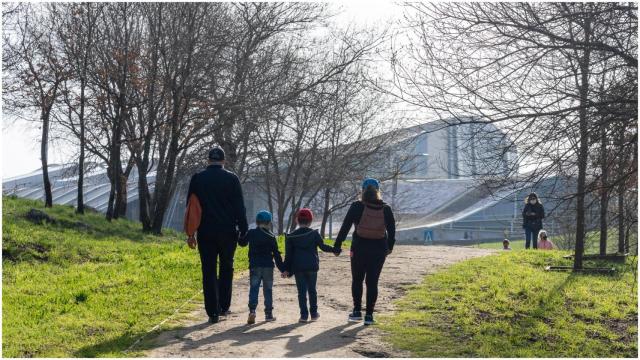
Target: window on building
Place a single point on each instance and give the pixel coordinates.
(421, 163)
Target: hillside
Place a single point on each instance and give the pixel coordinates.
(82, 286)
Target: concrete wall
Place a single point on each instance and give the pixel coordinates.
(443, 235)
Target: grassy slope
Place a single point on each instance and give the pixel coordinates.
(506, 305)
(69, 291)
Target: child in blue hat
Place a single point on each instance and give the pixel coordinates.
(263, 250)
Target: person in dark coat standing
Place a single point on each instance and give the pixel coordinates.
(215, 209)
(532, 216)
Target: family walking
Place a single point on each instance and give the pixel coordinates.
(215, 210)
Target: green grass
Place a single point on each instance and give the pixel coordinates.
(506, 305)
(87, 291)
(84, 287)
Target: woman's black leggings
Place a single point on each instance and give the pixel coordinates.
(366, 264)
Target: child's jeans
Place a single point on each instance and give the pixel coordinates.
(306, 283)
(262, 275)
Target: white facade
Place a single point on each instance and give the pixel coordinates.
(440, 151)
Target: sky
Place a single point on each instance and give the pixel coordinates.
(20, 138)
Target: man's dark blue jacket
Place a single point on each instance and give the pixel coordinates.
(220, 196)
(263, 249)
(301, 250)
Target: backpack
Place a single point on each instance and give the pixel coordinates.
(371, 224)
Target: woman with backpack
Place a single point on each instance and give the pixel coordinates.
(371, 242)
(532, 216)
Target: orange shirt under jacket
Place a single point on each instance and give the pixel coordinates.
(192, 215)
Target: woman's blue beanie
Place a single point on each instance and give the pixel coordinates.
(263, 216)
(370, 182)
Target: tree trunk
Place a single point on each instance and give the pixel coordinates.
(80, 200)
(325, 212)
(121, 198)
(280, 207)
(583, 152)
(621, 186)
(604, 193)
(165, 184)
(143, 196)
(44, 144)
(112, 191)
(621, 232)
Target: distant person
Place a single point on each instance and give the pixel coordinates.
(372, 241)
(302, 261)
(532, 216)
(263, 250)
(543, 242)
(215, 208)
(505, 244)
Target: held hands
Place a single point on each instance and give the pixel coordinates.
(337, 251)
(285, 274)
(192, 242)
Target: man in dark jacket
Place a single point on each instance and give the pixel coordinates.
(223, 220)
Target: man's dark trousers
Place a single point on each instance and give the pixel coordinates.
(217, 289)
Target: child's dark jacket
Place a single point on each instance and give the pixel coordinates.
(263, 249)
(301, 250)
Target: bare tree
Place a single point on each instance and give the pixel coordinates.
(530, 69)
(75, 26)
(36, 76)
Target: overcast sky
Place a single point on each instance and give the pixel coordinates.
(20, 139)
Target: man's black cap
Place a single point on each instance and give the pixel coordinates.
(216, 154)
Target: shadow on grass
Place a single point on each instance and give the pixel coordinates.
(110, 347)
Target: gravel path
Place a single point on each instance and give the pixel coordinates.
(331, 336)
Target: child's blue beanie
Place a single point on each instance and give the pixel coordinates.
(370, 182)
(263, 216)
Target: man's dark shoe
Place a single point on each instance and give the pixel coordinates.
(315, 317)
(355, 316)
(214, 319)
(225, 312)
(304, 319)
(368, 320)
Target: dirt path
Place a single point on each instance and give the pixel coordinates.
(331, 336)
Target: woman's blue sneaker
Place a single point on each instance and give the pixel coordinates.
(368, 320)
(355, 316)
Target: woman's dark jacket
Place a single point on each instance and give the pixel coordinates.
(532, 221)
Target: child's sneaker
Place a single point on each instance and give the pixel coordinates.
(368, 320)
(304, 319)
(355, 316)
(315, 317)
(252, 318)
(268, 316)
